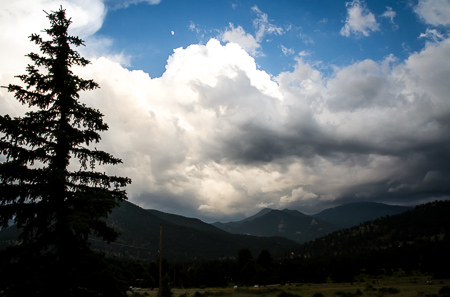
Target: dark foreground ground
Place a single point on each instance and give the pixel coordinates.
(395, 286)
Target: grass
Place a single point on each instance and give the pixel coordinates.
(405, 286)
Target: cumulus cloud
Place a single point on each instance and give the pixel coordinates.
(252, 44)
(245, 40)
(359, 21)
(296, 195)
(434, 12)
(217, 137)
(228, 138)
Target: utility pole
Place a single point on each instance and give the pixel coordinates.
(160, 260)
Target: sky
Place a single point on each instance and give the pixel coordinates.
(219, 109)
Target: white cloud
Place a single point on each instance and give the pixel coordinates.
(218, 87)
(432, 35)
(245, 40)
(359, 20)
(252, 44)
(119, 4)
(297, 194)
(306, 39)
(434, 12)
(263, 25)
(390, 14)
(287, 51)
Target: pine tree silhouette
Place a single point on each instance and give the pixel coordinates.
(55, 208)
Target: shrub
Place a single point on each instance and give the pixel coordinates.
(348, 294)
(389, 290)
(445, 291)
(344, 294)
(287, 294)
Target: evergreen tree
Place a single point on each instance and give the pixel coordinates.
(265, 259)
(55, 207)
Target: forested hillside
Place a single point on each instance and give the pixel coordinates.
(302, 228)
(351, 214)
(291, 224)
(418, 239)
(183, 239)
(197, 253)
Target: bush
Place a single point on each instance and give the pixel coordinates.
(344, 294)
(287, 294)
(444, 291)
(211, 294)
(348, 294)
(318, 294)
(389, 290)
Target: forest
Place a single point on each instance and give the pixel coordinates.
(416, 241)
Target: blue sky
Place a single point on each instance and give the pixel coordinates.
(221, 108)
(313, 28)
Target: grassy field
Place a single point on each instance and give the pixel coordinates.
(384, 286)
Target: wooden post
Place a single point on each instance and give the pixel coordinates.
(160, 260)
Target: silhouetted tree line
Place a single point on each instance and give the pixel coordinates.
(244, 270)
(222, 273)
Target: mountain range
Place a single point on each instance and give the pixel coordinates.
(302, 228)
(291, 224)
(183, 238)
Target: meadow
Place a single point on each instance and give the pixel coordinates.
(405, 286)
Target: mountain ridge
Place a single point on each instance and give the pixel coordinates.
(302, 228)
(183, 239)
(351, 214)
(291, 224)
(279, 231)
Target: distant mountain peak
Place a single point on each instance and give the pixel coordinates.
(288, 223)
(300, 227)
